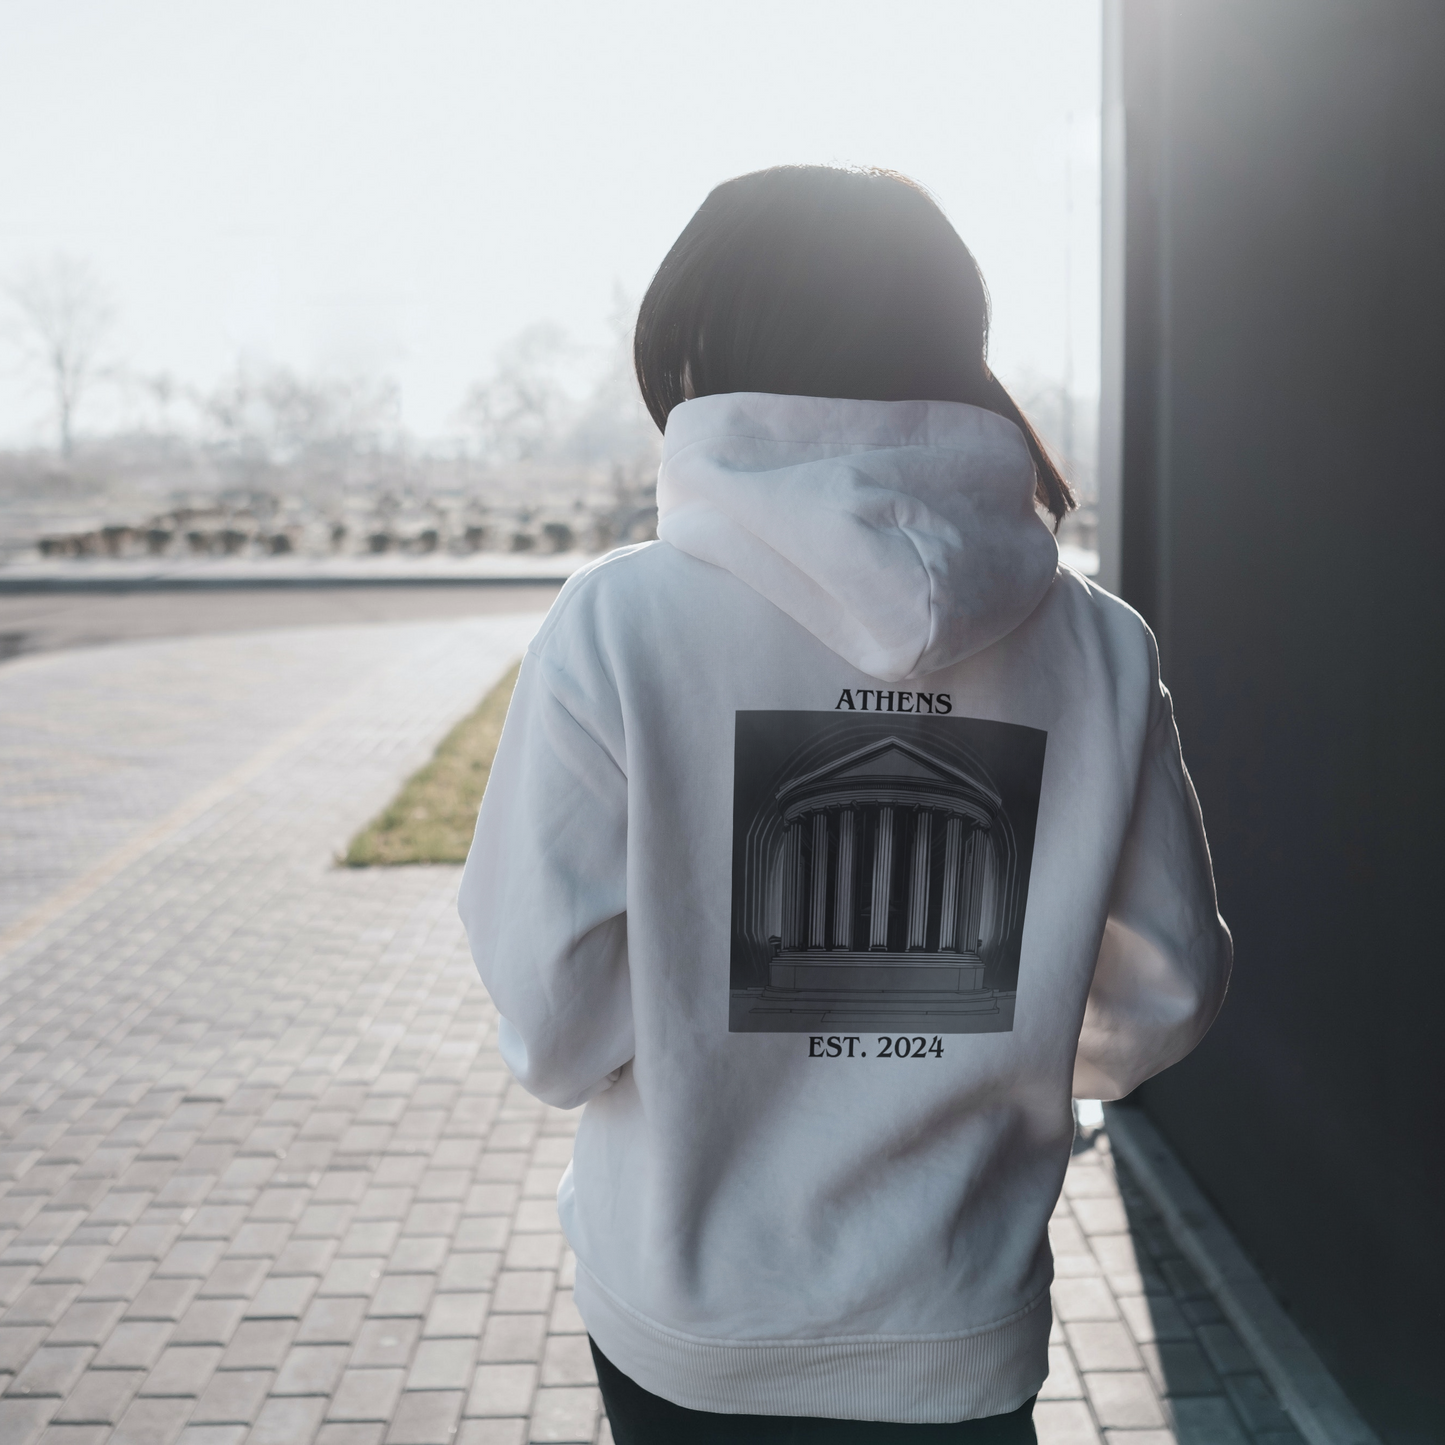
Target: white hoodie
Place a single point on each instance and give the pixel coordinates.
(832, 843)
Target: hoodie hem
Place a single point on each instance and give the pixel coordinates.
(924, 1379)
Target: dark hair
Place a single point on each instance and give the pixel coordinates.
(818, 281)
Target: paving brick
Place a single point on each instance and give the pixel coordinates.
(1100, 1216)
(565, 1414)
(13, 1280)
(371, 1237)
(258, 1345)
(1155, 1318)
(503, 1199)
(367, 1394)
(506, 1432)
(191, 1258)
(1179, 1367)
(287, 1421)
(283, 1298)
(260, 1239)
(1083, 1299)
(183, 1370)
(425, 1417)
(209, 1322)
(457, 1314)
(51, 1370)
(479, 1271)
(18, 1343)
(564, 1319)
(481, 1231)
(1123, 1398)
(235, 1279)
(22, 1421)
(403, 1294)
(305, 1256)
(1102, 1345)
(1064, 1422)
(1207, 1421)
(1063, 1381)
(233, 1397)
(442, 1183)
(419, 1254)
(567, 1360)
(163, 1299)
(511, 1338)
(384, 1204)
(386, 1342)
(76, 1435)
(534, 1251)
(440, 1218)
(518, 1289)
(311, 1370)
(348, 1433)
(331, 1321)
(100, 1397)
(352, 1277)
(42, 1304)
(134, 1344)
(86, 1322)
(442, 1365)
(502, 1389)
(73, 1264)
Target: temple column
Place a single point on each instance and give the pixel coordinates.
(953, 835)
(918, 878)
(793, 887)
(843, 884)
(818, 892)
(882, 879)
(973, 890)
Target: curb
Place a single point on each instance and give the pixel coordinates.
(17, 586)
(1309, 1393)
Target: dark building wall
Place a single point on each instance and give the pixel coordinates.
(1284, 470)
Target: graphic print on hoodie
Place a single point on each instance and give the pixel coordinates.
(880, 869)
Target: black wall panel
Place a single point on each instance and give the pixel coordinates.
(1284, 483)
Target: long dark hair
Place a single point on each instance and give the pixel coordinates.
(818, 281)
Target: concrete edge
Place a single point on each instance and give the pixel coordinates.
(1306, 1389)
(32, 586)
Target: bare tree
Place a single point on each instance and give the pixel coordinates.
(62, 316)
(518, 412)
(317, 430)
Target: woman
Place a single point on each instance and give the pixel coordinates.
(834, 840)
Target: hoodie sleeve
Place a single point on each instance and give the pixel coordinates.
(544, 896)
(1164, 962)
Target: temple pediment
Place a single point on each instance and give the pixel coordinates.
(893, 762)
(890, 771)
(885, 760)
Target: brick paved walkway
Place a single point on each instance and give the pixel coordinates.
(262, 1175)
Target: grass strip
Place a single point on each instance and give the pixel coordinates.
(432, 818)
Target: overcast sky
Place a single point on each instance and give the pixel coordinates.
(400, 185)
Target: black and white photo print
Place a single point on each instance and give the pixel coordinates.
(880, 871)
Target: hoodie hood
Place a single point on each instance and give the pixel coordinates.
(901, 534)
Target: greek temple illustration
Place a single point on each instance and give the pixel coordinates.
(882, 880)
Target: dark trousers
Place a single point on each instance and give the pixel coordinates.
(640, 1418)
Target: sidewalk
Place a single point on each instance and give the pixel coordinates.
(262, 1175)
